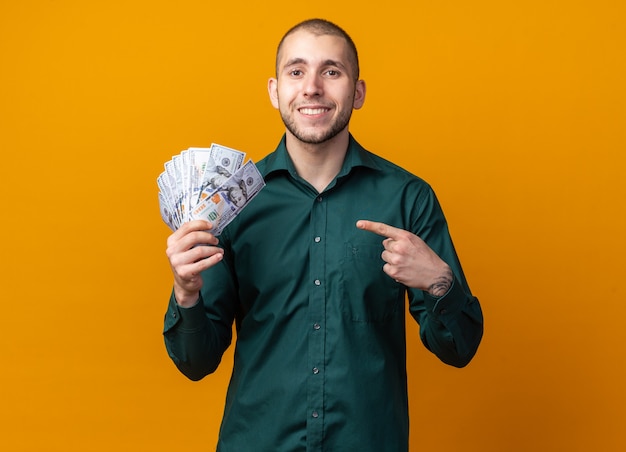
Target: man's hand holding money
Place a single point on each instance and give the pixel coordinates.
(191, 250)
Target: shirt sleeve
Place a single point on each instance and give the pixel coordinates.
(451, 326)
(196, 337)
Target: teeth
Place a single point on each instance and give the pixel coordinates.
(312, 111)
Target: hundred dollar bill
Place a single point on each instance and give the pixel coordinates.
(176, 188)
(225, 203)
(167, 214)
(228, 158)
(165, 201)
(221, 164)
(195, 175)
(215, 176)
(184, 169)
(198, 158)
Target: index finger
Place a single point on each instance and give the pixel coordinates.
(190, 226)
(379, 228)
(198, 225)
(191, 234)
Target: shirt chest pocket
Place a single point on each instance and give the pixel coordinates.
(368, 294)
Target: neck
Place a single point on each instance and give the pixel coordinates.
(318, 164)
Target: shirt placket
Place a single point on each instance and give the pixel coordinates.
(317, 325)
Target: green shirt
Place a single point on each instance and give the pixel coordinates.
(319, 363)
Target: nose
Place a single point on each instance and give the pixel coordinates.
(313, 85)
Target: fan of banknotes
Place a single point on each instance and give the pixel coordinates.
(207, 183)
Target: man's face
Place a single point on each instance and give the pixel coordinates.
(315, 91)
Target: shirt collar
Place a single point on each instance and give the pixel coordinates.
(357, 155)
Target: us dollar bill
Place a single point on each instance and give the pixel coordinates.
(208, 183)
(220, 206)
(221, 164)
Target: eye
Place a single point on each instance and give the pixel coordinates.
(333, 73)
(295, 72)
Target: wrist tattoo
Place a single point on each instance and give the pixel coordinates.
(441, 284)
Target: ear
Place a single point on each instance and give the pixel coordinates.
(272, 89)
(359, 94)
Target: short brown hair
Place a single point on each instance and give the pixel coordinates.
(321, 27)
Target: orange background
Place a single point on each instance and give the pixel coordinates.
(514, 111)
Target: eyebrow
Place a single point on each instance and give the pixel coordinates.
(296, 61)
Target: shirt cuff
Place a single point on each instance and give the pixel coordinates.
(450, 303)
(184, 319)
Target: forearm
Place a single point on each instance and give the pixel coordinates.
(442, 283)
(185, 299)
(193, 341)
(451, 326)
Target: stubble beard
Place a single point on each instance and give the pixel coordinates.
(317, 136)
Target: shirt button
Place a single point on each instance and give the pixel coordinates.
(318, 239)
(316, 326)
(316, 370)
(320, 199)
(315, 414)
(318, 282)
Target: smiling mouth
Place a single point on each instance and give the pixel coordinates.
(313, 111)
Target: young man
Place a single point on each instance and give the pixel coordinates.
(315, 272)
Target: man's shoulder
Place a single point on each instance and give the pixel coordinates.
(274, 161)
(393, 170)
